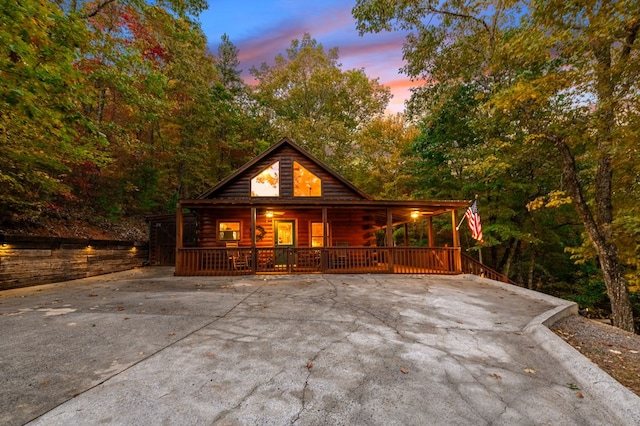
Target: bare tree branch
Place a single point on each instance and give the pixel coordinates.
(98, 8)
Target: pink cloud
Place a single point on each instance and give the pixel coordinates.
(380, 55)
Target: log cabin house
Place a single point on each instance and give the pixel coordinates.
(287, 212)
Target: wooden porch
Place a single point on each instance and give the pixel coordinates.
(330, 260)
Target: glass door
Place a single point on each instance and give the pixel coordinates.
(285, 240)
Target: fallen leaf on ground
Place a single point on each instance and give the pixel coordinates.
(580, 395)
(309, 365)
(404, 370)
(530, 371)
(496, 376)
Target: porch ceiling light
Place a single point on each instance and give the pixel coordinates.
(269, 213)
(415, 214)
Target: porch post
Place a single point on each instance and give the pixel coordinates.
(179, 225)
(406, 235)
(325, 228)
(390, 238)
(254, 253)
(457, 256)
(430, 230)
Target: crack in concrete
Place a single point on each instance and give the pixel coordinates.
(248, 395)
(151, 354)
(313, 359)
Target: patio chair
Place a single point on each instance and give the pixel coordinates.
(239, 258)
(341, 255)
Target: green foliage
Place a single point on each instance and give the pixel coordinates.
(380, 146)
(42, 134)
(554, 87)
(109, 106)
(591, 295)
(310, 99)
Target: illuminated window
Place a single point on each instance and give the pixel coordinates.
(229, 231)
(305, 183)
(267, 183)
(317, 239)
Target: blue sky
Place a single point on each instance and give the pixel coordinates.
(262, 29)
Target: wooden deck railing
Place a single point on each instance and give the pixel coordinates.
(472, 266)
(242, 261)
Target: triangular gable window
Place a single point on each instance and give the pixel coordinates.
(305, 183)
(267, 183)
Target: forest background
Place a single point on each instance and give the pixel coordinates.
(112, 110)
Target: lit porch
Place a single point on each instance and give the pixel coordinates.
(359, 238)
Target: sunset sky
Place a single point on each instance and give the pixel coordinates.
(261, 29)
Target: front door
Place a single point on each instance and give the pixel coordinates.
(285, 239)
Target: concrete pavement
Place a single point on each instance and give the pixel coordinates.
(144, 347)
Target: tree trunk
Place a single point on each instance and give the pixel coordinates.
(532, 266)
(621, 309)
(513, 249)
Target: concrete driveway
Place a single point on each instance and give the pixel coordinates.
(144, 347)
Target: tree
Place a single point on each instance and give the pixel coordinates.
(565, 74)
(462, 151)
(378, 168)
(42, 133)
(160, 100)
(310, 99)
(227, 66)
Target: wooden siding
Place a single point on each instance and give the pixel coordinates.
(347, 227)
(240, 188)
(351, 227)
(162, 238)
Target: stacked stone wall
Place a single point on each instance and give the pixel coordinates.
(27, 261)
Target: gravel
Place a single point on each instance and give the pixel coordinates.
(615, 351)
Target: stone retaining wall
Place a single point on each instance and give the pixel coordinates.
(27, 261)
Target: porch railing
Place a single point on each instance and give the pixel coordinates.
(472, 266)
(242, 261)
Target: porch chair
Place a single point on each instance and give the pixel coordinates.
(238, 258)
(341, 255)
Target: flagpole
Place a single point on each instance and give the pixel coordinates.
(461, 220)
(473, 217)
(479, 247)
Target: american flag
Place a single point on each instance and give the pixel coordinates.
(473, 218)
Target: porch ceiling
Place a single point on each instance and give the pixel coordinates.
(401, 210)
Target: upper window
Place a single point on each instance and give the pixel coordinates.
(305, 183)
(267, 183)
